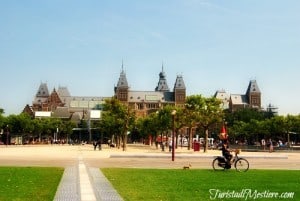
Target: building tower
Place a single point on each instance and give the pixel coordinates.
(254, 95)
(162, 83)
(179, 91)
(54, 101)
(40, 102)
(121, 90)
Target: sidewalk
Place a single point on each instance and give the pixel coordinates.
(81, 183)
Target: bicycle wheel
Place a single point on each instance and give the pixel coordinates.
(241, 165)
(216, 165)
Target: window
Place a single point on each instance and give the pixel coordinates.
(140, 106)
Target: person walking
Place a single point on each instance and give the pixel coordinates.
(170, 145)
(95, 144)
(99, 145)
(271, 148)
(263, 144)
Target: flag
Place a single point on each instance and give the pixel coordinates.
(223, 135)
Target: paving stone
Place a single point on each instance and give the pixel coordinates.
(103, 188)
(68, 188)
(94, 185)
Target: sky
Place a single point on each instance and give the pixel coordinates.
(213, 44)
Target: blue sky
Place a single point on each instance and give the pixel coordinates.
(213, 44)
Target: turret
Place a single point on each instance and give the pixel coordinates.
(253, 94)
(162, 84)
(179, 90)
(121, 90)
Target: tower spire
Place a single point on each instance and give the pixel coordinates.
(122, 79)
(162, 83)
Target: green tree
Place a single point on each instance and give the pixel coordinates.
(206, 111)
(180, 121)
(119, 119)
(190, 120)
(2, 119)
(164, 121)
(19, 124)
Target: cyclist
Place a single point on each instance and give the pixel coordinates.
(226, 152)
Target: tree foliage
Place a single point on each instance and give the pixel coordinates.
(118, 119)
(204, 112)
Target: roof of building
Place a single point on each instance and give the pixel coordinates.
(85, 102)
(179, 83)
(61, 112)
(43, 90)
(63, 92)
(39, 100)
(122, 83)
(252, 87)
(162, 84)
(238, 99)
(224, 97)
(150, 96)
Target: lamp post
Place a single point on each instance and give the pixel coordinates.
(7, 135)
(173, 134)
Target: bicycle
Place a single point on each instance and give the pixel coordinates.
(240, 164)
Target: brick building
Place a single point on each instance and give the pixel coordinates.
(233, 102)
(61, 104)
(145, 102)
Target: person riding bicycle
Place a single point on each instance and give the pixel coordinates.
(226, 152)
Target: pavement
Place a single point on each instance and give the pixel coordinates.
(83, 179)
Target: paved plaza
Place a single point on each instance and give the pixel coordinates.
(82, 179)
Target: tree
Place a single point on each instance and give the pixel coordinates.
(206, 111)
(180, 121)
(148, 126)
(190, 120)
(19, 124)
(164, 123)
(2, 119)
(118, 119)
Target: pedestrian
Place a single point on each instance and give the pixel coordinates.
(170, 145)
(95, 144)
(99, 145)
(263, 144)
(270, 144)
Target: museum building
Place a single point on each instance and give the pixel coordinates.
(146, 102)
(61, 104)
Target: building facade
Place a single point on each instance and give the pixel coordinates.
(234, 102)
(146, 102)
(62, 105)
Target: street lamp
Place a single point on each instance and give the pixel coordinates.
(7, 135)
(173, 135)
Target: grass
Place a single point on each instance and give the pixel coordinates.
(203, 185)
(29, 183)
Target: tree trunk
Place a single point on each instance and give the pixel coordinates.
(124, 139)
(176, 138)
(118, 141)
(190, 138)
(205, 147)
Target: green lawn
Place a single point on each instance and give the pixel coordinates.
(202, 185)
(29, 183)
